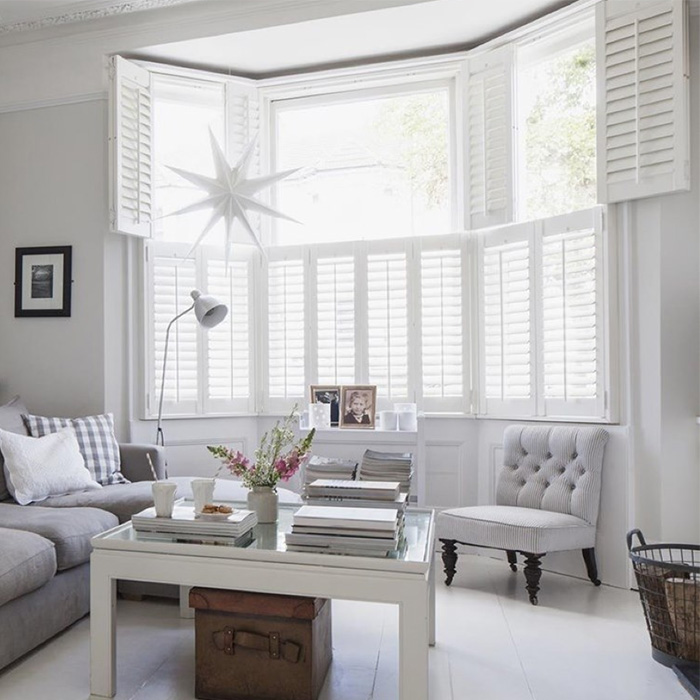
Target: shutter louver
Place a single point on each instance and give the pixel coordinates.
(387, 324)
(173, 280)
(441, 324)
(489, 136)
(335, 310)
(507, 327)
(643, 115)
(286, 331)
(228, 344)
(131, 149)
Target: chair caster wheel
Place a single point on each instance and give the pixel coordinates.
(596, 582)
(533, 599)
(514, 568)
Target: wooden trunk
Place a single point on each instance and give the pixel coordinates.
(256, 646)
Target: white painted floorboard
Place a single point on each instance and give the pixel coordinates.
(580, 643)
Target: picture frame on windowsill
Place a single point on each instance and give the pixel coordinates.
(358, 405)
(327, 393)
(43, 279)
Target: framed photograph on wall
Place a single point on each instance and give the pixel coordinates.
(43, 281)
(358, 406)
(328, 394)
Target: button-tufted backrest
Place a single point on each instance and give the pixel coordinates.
(556, 469)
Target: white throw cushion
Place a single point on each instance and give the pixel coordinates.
(36, 468)
(511, 527)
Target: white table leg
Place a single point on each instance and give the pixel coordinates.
(431, 604)
(103, 637)
(186, 612)
(413, 645)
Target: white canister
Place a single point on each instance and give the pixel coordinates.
(203, 493)
(408, 421)
(164, 498)
(320, 415)
(388, 420)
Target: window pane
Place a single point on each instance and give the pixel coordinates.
(184, 112)
(371, 168)
(556, 105)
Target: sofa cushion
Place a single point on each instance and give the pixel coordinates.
(510, 527)
(10, 419)
(69, 530)
(27, 562)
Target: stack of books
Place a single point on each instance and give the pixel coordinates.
(356, 494)
(387, 466)
(366, 532)
(184, 525)
(329, 468)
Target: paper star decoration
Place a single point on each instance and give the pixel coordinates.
(230, 193)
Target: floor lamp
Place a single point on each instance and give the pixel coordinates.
(210, 312)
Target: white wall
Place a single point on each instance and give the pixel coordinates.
(53, 190)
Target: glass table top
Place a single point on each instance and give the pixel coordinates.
(416, 544)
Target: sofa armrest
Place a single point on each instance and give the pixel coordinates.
(134, 465)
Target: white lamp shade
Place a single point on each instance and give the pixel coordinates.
(209, 310)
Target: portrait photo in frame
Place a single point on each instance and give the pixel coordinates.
(43, 278)
(327, 394)
(358, 406)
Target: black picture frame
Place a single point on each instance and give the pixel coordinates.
(327, 393)
(43, 281)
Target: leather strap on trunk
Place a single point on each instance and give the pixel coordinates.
(228, 639)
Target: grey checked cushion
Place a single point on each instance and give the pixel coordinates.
(96, 441)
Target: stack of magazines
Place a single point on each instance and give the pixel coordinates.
(234, 528)
(385, 466)
(356, 494)
(329, 468)
(366, 532)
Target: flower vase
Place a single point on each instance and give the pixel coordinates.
(263, 501)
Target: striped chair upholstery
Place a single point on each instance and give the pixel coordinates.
(547, 498)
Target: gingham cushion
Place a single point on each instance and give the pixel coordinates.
(96, 440)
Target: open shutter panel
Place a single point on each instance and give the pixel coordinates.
(442, 342)
(643, 112)
(335, 318)
(131, 149)
(228, 344)
(286, 330)
(507, 322)
(489, 139)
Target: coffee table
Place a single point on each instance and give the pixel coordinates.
(406, 579)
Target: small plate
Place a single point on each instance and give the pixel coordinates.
(213, 516)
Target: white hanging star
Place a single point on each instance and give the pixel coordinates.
(230, 193)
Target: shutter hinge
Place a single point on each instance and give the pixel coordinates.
(113, 219)
(605, 400)
(111, 67)
(148, 403)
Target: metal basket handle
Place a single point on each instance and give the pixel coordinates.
(640, 537)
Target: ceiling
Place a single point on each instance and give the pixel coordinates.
(398, 31)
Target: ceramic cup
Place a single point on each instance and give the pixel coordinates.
(203, 493)
(388, 420)
(164, 498)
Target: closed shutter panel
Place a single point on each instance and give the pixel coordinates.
(387, 323)
(228, 344)
(335, 318)
(643, 118)
(286, 330)
(489, 137)
(172, 280)
(131, 149)
(572, 321)
(442, 341)
(507, 320)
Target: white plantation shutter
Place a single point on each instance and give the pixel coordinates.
(172, 278)
(335, 320)
(286, 332)
(507, 294)
(643, 112)
(489, 138)
(387, 323)
(131, 150)
(572, 314)
(229, 361)
(442, 290)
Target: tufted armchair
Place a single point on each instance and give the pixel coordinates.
(547, 500)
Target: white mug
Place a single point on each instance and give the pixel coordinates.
(203, 492)
(164, 498)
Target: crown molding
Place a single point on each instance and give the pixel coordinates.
(56, 102)
(121, 8)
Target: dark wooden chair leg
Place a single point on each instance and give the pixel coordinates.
(512, 559)
(532, 575)
(449, 559)
(591, 565)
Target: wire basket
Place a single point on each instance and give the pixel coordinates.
(668, 576)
